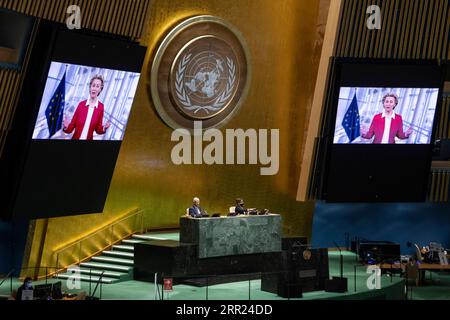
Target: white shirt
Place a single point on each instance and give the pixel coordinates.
(87, 123)
(387, 125)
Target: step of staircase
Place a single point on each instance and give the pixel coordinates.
(122, 247)
(112, 260)
(106, 266)
(86, 278)
(132, 241)
(118, 254)
(147, 237)
(116, 263)
(96, 272)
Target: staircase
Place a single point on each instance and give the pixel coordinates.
(117, 263)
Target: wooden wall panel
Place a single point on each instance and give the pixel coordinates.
(410, 29)
(99, 15)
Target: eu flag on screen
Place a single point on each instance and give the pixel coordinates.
(350, 123)
(55, 109)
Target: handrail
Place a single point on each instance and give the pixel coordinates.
(9, 275)
(98, 282)
(131, 214)
(38, 277)
(113, 240)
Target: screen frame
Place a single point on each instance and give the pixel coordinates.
(54, 42)
(326, 149)
(344, 81)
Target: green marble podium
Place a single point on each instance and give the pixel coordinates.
(226, 236)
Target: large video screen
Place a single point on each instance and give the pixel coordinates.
(378, 130)
(85, 103)
(83, 84)
(374, 115)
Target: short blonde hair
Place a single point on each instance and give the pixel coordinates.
(99, 77)
(393, 95)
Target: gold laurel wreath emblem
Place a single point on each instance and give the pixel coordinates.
(183, 97)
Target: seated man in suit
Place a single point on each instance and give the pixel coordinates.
(240, 209)
(196, 211)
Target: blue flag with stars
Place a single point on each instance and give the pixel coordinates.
(351, 120)
(55, 109)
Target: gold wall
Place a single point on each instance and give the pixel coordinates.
(284, 39)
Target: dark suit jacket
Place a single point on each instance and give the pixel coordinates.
(193, 212)
(240, 210)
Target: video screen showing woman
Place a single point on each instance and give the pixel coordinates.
(85, 103)
(385, 115)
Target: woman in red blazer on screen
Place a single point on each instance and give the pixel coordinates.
(89, 114)
(386, 125)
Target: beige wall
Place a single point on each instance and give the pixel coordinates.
(285, 39)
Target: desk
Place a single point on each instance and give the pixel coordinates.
(226, 236)
(422, 268)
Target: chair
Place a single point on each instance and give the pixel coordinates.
(412, 272)
(435, 250)
(232, 210)
(443, 258)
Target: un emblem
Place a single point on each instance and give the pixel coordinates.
(200, 73)
(307, 255)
